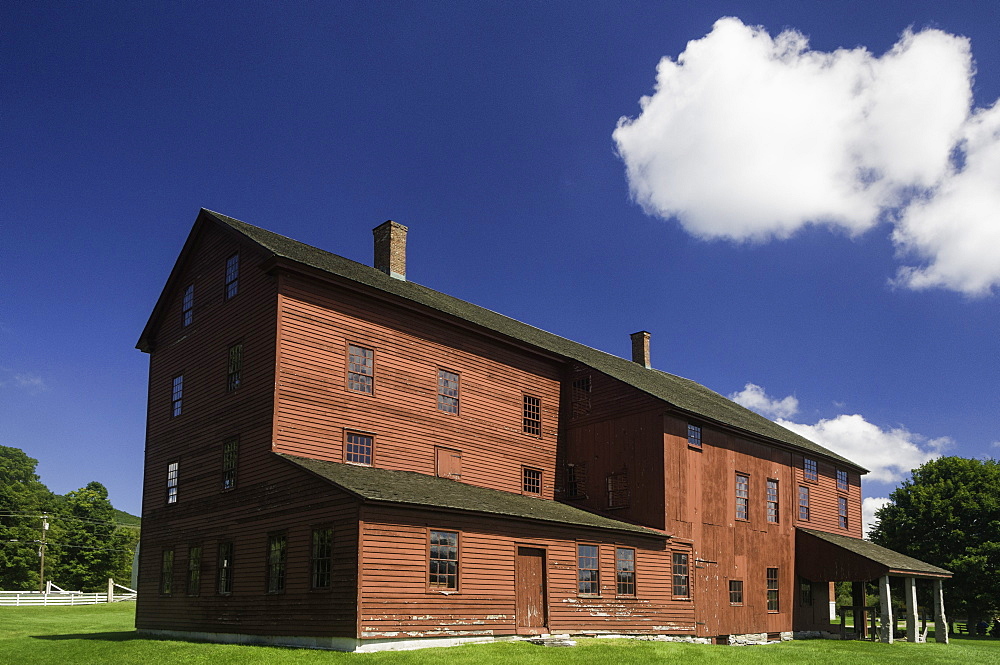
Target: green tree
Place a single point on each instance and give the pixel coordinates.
(948, 514)
(23, 498)
(91, 545)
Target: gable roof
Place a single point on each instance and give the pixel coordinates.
(683, 394)
(891, 559)
(417, 489)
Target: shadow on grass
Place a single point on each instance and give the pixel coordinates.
(112, 636)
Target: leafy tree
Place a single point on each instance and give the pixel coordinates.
(948, 514)
(91, 546)
(22, 498)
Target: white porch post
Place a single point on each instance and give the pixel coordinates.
(940, 621)
(911, 609)
(886, 607)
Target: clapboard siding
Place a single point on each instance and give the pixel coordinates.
(395, 600)
(315, 408)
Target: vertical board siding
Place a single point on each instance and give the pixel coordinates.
(315, 408)
(396, 601)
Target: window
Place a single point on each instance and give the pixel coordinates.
(359, 449)
(447, 391)
(619, 495)
(772, 501)
(225, 568)
(805, 593)
(742, 497)
(276, 556)
(443, 568)
(809, 470)
(230, 450)
(194, 570)
(682, 579)
(322, 557)
(735, 592)
(232, 276)
(360, 369)
(588, 570)
(531, 481)
(842, 480)
(532, 422)
(167, 572)
(576, 480)
(694, 435)
(580, 396)
(772, 589)
(803, 503)
(177, 396)
(234, 371)
(187, 306)
(625, 570)
(842, 511)
(172, 471)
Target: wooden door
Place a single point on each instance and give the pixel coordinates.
(529, 578)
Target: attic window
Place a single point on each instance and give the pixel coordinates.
(360, 369)
(232, 276)
(809, 470)
(531, 481)
(359, 449)
(581, 396)
(447, 391)
(532, 420)
(618, 490)
(694, 435)
(842, 480)
(187, 306)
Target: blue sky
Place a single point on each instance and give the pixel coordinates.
(815, 224)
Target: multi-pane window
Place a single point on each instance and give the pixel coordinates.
(625, 571)
(234, 371)
(532, 421)
(230, 452)
(531, 481)
(842, 511)
(810, 470)
(177, 396)
(735, 592)
(694, 435)
(447, 391)
(772, 589)
(805, 593)
(842, 480)
(322, 557)
(681, 575)
(187, 306)
(225, 568)
(443, 563)
(276, 557)
(232, 276)
(772, 500)
(581, 396)
(742, 497)
(194, 570)
(167, 573)
(172, 471)
(576, 479)
(358, 448)
(619, 494)
(360, 369)
(803, 503)
(588, 570)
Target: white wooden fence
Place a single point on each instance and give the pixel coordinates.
(53, 595)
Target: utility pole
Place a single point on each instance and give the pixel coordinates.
(41, 555)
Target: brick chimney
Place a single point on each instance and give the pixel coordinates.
(390, 249)
(640, 348)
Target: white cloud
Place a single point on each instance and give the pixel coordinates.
(888, 454)
(753, 397)
(869, 506)
(31, 383)
(751, 137)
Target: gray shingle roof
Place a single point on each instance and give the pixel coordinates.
(417, 489)
(890, 558)
(682, 393)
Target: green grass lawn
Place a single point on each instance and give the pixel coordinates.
(103, 634)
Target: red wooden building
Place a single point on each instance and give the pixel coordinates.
(339, 457)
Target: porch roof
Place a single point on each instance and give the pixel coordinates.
(420, 490)
(822, 556)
